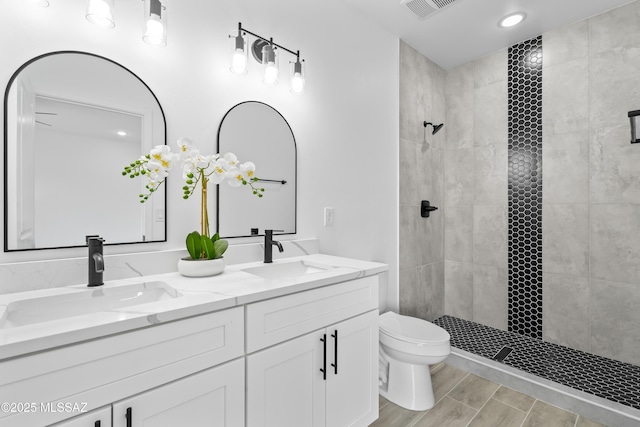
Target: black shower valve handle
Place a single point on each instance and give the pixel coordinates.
(426, 208)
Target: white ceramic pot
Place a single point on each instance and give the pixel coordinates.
(200, 267)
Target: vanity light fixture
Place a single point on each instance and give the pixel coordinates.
(634, 118)
(39, 3)
(101, 13)
(298, 78)
(155, 23)
(239, 58)
(512, 19)
(267, 53)
(269, 60)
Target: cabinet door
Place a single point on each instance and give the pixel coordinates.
(214, 397)
(98, 418)
(352, 386)
(285, 387)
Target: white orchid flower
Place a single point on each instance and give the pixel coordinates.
(196, 169)
(231, 159)
(248, 170)
(218, 171)
(162, 155)
(186, 146)
(235, 177)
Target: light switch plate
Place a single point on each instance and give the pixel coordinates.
(329, 215)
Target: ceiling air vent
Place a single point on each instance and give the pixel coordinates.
(424, 8)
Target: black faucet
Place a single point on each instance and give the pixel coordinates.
(96, 260)
(268, 245)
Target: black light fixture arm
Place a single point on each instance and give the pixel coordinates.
(269, 40)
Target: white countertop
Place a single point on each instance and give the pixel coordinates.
(234, 287)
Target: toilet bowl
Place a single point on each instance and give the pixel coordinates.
(407, 347)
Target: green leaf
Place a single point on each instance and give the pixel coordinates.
(220, 247)
(215, 237)
(194, 245)
(208, 247)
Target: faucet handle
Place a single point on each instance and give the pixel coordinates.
(95, 238)
(271, 231)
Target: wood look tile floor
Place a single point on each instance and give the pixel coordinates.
(466, 400)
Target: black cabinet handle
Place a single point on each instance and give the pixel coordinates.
(335, 352)
(324, 358)
(97, 424)
(128, 417)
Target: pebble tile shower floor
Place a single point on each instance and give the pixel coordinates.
(610, 379)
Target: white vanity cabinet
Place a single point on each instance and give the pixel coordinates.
(313, 357)
(143, 369)
(98, 418)
(214, 397)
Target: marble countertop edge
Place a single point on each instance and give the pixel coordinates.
(234, 287)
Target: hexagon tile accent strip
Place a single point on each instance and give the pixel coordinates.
(525, 188)
(610, 379)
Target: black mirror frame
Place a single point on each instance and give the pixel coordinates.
(295, 149)
(6, 136)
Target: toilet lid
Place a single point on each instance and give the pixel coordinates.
(411, 329)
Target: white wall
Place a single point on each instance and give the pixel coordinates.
(346, 125)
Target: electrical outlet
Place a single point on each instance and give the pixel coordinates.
(328, 217)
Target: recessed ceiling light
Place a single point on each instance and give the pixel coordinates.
(512, 19)
(122, 133)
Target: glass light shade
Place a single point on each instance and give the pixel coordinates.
(39, 3)
(270, 62)
(155, 23)
(239, 58)
(298, 80)
(101, 13)
(271, 74)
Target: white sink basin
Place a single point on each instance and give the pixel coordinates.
(287, 270)
(92, 300)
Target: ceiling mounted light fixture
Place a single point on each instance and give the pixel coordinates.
(267, 53)
(101, 13)
(512, 19)
(155, 23)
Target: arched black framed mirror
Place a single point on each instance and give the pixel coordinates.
(72, 120)
(257, 132)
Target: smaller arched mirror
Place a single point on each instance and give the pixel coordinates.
(257, 132)
(73, 120)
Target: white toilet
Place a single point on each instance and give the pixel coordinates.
(407, 347)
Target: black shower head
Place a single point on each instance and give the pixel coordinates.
(436, 128)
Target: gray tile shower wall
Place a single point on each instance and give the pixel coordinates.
(591, 187)
(422, 98)
(475, 183)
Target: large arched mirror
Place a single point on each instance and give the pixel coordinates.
(257, 132)
(73, 120)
